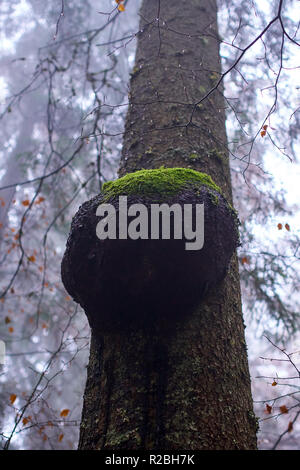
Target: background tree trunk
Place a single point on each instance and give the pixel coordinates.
(189, 387)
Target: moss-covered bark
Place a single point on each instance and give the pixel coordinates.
(184, 386)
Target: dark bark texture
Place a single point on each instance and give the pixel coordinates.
(187, 386)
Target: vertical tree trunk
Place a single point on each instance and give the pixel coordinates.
(188, 388)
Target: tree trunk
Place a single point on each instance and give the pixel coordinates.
(13, 173)
(189, 387)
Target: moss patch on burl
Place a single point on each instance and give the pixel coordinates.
(141, 283)
(159, 182)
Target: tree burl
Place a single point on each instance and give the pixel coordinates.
(138, 283)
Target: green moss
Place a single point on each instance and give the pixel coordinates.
(194, 156)
(214, 77)
(220, 156)
(135, 71)
(149, 151)
(204, 41)
(161, 181)
(214, 199)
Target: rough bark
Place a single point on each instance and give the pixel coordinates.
(186, 387)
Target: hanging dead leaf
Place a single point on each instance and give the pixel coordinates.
(283, 409)
(39, 200)
(12, 398)
(279, 226)
(290, 426)
(64, 413)
(287, 227)
(60, 437)
(268, 409)
(274, 383)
